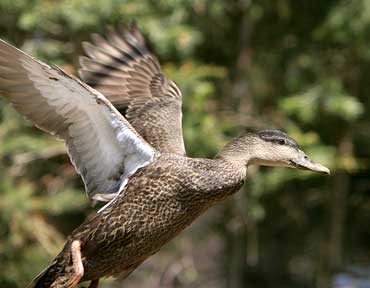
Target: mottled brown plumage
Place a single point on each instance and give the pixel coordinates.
(156, 190)
(159, 202)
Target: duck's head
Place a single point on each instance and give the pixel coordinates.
(270, 148)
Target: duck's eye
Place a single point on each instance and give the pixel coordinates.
(281, 142)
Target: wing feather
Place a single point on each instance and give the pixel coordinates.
(104, 148)
(129, 75)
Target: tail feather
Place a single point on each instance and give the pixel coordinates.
(37, 282)
(57, 274)
(54, 272)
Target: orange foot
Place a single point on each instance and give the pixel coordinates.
(77, 263)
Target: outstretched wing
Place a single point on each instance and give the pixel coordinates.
(102, 145)
(129, 75)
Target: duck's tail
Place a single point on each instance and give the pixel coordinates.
(44, 279)
(37, 281)
(53, 273)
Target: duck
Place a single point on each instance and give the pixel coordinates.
(122, 127)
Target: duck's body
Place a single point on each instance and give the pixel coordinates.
(160, 201)
(127, 145)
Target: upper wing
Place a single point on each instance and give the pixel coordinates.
(102, 145)
(129, 75)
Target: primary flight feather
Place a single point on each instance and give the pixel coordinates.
(102, 145)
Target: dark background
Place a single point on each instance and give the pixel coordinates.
(300, 66)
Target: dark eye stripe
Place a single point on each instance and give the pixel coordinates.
(277, 137)
(279, 141)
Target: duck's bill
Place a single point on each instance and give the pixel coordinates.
(307, 164)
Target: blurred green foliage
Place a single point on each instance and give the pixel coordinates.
(301, 66)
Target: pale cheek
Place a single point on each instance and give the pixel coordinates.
(280, 153)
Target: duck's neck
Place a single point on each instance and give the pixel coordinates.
(241, 152)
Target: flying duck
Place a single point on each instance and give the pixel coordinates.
(122, 129)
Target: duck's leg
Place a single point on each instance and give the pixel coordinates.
(77, 263)
(94, 284)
